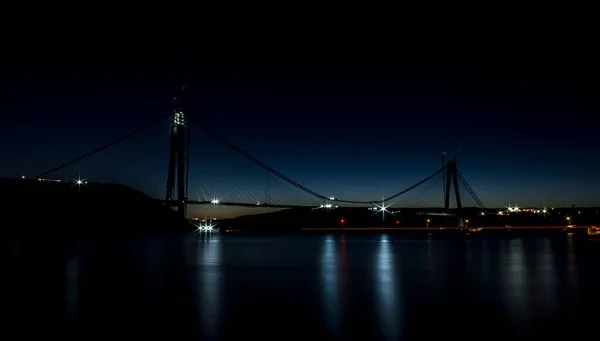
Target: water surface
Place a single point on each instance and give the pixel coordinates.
(362, 287)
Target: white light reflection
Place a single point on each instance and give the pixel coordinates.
(330, 284)
(73, 275)
(387, 290)
(547, 278)
(515, 279)
(572, 263)
(209, 278)
(431, 268)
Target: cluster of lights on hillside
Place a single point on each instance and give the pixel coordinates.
(328, 205)
(515, 209)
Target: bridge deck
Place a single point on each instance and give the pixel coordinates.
(434, 229)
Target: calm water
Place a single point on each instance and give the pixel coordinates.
(361, 287)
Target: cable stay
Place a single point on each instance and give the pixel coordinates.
(110, 144)
(470, 190)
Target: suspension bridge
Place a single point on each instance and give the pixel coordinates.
(448, 188)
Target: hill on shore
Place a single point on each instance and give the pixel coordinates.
(295, 219)
(50, 208)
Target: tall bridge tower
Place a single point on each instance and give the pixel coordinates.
(179, 154)
(450, 173)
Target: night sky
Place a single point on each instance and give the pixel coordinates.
(357, 123)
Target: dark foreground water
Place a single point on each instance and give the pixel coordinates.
(362, 287)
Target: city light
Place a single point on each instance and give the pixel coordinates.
(327, 206)
(214, 201)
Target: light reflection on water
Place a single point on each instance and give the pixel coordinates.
(73, 272)
(209, 282)
(388, 292)
(515, 280)
(335, 285)
(330, 283)
(572, 262)
(530, 286)
(547, 280)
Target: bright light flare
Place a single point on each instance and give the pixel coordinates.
(382, 209)
(207, 226)
(215, 201)
(79, 182)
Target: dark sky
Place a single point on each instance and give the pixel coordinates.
(356, 123)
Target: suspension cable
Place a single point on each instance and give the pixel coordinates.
(414, 186)
(253, 159)
(112, 143)
(294, 183)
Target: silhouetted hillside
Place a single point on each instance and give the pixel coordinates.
(32, 206)
(298, 218)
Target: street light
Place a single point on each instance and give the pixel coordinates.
(427, 223)
(466, 222)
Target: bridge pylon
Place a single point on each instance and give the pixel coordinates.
(451, 180)
(179, 155)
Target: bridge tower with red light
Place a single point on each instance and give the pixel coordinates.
(450, 173)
